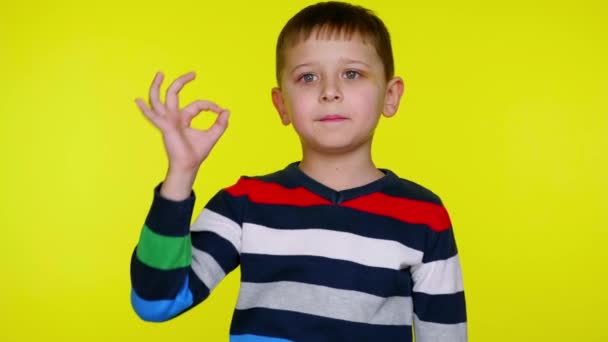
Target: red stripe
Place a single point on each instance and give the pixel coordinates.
(433, 215)
(271, 193)
(407, 210)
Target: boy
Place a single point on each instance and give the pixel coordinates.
(331, 248)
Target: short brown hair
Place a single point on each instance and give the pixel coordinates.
(336, 19)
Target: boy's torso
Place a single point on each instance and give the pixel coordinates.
(337, 260)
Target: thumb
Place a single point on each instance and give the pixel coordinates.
(219, 126)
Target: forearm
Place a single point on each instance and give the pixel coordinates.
(440, 317)
(176, 265)
(439, 332)
(438, 292)
(161, 262)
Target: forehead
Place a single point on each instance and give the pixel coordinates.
(320, 49)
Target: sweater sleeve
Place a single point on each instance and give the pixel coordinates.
(438, 292)
(175, 264)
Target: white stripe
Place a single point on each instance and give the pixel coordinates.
(331, 244)
(325, 301)
(211, 221)
(437, 332)
(438, 277)
(206, 268)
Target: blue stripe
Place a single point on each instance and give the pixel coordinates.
(255, 338)
(444, 308)
(161, 310)
(303, 327)
(339, 274)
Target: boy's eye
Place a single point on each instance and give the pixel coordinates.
(307, 78)
(351, 74)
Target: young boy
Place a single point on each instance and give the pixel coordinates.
(331, 248)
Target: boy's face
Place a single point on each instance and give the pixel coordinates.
(333, 92)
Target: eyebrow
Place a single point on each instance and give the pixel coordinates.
(300, 65)
(350, 61)
(343, 60)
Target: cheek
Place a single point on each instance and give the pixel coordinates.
(367, 99)
(302, 104)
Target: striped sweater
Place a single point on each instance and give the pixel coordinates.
(374, 263)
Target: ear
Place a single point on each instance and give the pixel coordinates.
(279, 105)
(394, 91)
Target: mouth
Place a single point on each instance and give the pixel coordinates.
(333, 117)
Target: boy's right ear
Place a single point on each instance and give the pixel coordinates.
(279, 105)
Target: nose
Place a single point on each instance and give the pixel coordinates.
(330, 92)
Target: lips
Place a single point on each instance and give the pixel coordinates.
(333, 118)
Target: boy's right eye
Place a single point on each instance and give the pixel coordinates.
(307, 78)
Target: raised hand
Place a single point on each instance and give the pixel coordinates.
(186, 147)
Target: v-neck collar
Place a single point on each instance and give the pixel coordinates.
(337, 196)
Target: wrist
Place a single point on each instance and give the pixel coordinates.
(177, 185)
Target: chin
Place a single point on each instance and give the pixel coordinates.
(335, 147)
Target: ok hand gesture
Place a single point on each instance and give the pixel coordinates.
(186, 147)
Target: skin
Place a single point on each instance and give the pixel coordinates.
(336, 77)
(186, 147)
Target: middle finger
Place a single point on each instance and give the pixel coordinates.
(172, 99)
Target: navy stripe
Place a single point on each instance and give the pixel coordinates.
(407, 189)
(440, 246)
(219, 248)
(199, 290)
(225, 204)
(291, 177)
(338, 219)
(303, 327)
(340, 274)
(444, 308)
(170, 218)
(155, 284)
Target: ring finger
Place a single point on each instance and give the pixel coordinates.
(155, 103)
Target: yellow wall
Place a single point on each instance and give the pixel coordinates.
(504, 116)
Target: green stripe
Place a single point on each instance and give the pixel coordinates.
(164, 252)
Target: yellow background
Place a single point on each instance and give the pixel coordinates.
(504, 116)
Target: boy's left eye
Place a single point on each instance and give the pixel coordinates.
(352, 74)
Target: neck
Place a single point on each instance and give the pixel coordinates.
(340, 171)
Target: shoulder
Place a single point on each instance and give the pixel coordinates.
(405, 188)
(279, 177)
(263, 182)
(417, 203)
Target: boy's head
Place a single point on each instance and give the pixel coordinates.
(335, 77)
(335, 20)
